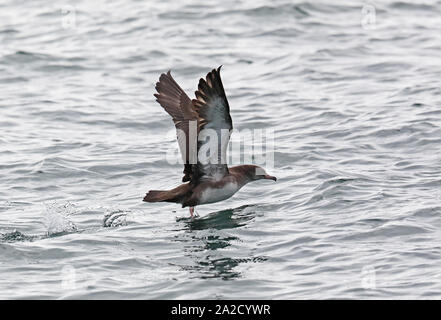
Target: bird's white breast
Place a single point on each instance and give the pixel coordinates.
(211, 195)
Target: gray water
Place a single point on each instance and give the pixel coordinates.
(351, 90)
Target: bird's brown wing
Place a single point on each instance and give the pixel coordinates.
(214, 126)
(179, 106)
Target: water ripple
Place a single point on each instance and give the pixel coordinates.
(354, 107)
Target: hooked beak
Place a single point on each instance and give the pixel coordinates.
(267, 176)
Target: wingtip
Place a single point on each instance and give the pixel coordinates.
(157, 87)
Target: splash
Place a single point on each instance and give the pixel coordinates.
(15, 236)
(57, 218)
(115, 218)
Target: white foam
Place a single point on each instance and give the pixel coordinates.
(56, 217)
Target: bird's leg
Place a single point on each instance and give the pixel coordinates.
(191, 211)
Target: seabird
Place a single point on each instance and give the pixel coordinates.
(200, 123)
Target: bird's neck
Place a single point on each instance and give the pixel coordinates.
(241, 176)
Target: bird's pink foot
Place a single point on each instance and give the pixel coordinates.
(191, 211)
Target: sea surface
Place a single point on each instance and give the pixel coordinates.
(351, 90)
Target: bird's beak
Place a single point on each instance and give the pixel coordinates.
(267, 176)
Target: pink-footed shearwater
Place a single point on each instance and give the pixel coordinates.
(205, 181)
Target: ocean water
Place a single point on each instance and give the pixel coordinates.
(350, 89)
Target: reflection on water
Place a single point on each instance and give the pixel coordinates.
(204, 238)
(225, 219)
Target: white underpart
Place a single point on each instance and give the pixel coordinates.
(211, 195)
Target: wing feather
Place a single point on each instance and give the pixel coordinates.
(179, 106)
(210, 112)
(213, 110)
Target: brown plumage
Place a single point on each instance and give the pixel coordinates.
(209, 179)
(177, 104)
(173, 195)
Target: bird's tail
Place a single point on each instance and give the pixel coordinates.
(156, 196)
(175, 195)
